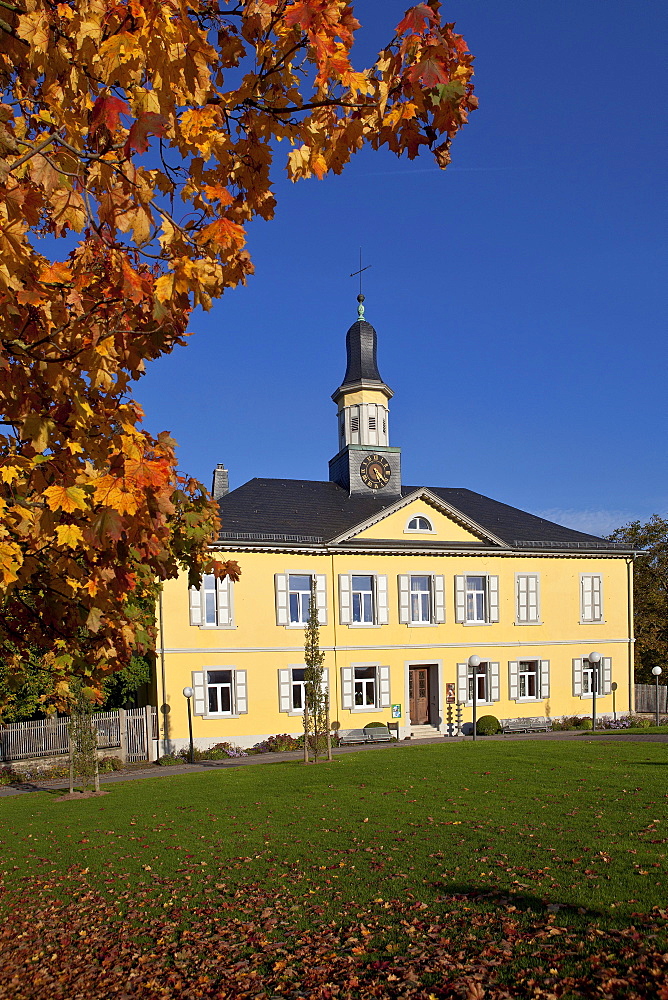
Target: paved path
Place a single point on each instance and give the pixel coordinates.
(276, 758)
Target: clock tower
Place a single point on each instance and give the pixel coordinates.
(365, 464)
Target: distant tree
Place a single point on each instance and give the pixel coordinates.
(315, 715)
(650, 594)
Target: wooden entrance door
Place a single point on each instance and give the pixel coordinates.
(418, 695)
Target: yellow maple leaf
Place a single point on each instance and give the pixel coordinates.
(67, 498)
(8, 473)
(69, 534)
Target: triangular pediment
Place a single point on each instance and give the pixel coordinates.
(419, 518)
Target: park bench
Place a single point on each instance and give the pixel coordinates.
(374, 734)
(536, 725)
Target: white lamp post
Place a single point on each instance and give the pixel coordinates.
(657, 673)
(187, 694)
(474, 663)
(594, 659)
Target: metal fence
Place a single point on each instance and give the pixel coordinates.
(646, 698)
(130, 730)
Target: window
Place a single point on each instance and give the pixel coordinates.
(297, 696)
(372, 423)
(528, 606)
(420, 599)
(354, 424)
(419, 523)
(363, 599)
(591, 598)
(478, 682)
(293, 598)
(528, 680)
(583, 677)
(211, 605)
(365, 687)
(588, 678)
(477, 599)
(485, 678)
(300, 598)
(219, 691)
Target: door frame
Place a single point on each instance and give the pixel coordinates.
(436, 693)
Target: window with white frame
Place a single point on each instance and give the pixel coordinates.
(477, 599)
(591, 597)
(299, 596)
(293, 598)
(583, 677)
(528, 680)
(211, 605)
(485, 677)
(419, 523)
(363, 599)
(219, 691)
(421, 599)
(365, 687)
(528, 602)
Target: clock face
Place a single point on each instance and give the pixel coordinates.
(375, 472)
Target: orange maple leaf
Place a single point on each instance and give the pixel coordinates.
(107, 111)
(67, 498)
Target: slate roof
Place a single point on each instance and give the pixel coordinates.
(317, 512)
(361, 364)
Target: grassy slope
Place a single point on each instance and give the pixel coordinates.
(489, 825)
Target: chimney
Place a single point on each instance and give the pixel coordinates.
(221, 482)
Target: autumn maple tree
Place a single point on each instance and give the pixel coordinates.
(142, 134)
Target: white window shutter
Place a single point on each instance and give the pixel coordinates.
(321, 597)
(545, 678)
(533, 602)
(597, 598)
(606, 675)
(460, 599)
(324, 683)
(199, 698)
(493, 592)
(513, 680)
(345, 599)
(384, 687)
(462, 682)
(241, 698)
(522, 600)
(347, 687)
(284, 701)
(438, 591)
(282, 610)
(195, 596)
(577, 677)
(224, 596)
(495, 681)
(404, 599)
(382, 610)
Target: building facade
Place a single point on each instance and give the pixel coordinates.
(409, 582)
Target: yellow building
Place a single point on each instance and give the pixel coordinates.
(409, 581)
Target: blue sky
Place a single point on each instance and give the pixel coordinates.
(517, 296)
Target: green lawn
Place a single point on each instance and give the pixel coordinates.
(529, 861)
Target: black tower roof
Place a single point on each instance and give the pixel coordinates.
(361, 364)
